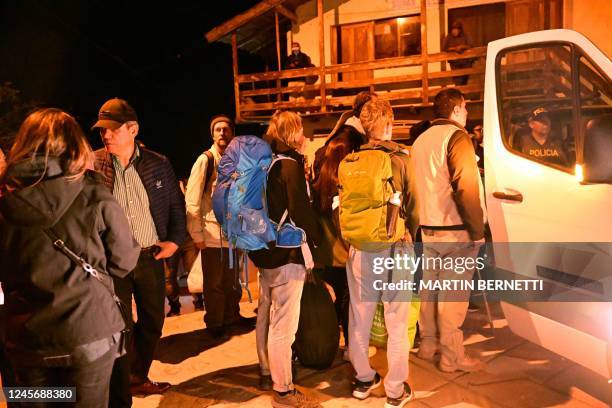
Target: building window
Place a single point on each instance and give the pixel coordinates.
(397, 37)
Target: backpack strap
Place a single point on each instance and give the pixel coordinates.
(395, 157)
(101, 277)
(210, 167)
(276, 158)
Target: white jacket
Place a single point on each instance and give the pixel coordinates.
(201, 222)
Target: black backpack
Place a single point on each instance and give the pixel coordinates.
(318, 334)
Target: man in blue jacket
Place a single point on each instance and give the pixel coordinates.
(144, 184)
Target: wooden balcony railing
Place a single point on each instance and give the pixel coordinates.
(260, 94)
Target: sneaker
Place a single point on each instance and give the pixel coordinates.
(363, 389)
(265, 382)
(406, 397)
(293, 399)
(466, 364)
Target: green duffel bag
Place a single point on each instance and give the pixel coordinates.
(378, 334)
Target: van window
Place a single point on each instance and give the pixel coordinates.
(536, 105)
(595, 93)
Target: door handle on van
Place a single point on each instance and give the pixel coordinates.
(518, 197)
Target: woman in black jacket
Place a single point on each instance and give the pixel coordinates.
(283, 270)
(332, 253)
(62, 325)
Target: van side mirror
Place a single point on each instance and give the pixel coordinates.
(597, 167)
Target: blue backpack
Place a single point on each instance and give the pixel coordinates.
(239, 200)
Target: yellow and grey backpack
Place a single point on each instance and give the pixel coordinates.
(365, 186)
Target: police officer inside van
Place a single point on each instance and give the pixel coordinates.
(536, 140)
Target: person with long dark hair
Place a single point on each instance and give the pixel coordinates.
(63, 326)
(332, 253)
(348, 128)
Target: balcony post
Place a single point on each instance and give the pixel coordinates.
(279, 97)
(424, 54)
(236, 84)
(321, 55)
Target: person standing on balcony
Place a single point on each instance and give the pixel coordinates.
(458, 42)
(298, 59)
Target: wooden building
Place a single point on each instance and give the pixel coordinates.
(392, 47)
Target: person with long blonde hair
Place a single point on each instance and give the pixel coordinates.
(63, 327)
(283, 270)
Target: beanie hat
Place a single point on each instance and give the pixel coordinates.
(220, 118)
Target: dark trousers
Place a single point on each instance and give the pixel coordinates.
(336, 278)
(147, 284)
(221, 290)
(91, 380)
(171, 268)
(6, 368)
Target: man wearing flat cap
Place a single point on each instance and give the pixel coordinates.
(221, 295)
(537, 141)
(144, 184)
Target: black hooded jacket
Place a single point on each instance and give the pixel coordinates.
(53, 304)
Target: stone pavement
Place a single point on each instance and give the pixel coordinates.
(518, 374)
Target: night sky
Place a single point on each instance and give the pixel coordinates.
(75, 55)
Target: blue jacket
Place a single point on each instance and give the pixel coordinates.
(166, 201)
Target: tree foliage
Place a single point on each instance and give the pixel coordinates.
(13, 110)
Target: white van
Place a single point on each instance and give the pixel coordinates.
(532, 196)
